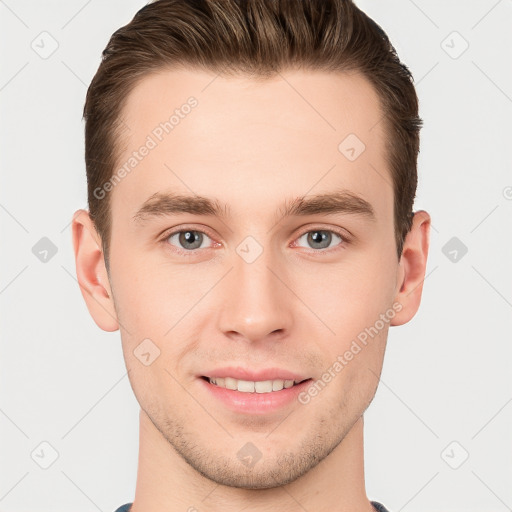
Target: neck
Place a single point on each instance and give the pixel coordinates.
(166, 483)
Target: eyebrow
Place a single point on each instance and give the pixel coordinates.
(343, 201)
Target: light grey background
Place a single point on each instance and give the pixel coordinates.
(445, 390)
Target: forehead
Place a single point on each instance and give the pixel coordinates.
(234, 137)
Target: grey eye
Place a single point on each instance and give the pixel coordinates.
(189, 239)
(320, 238)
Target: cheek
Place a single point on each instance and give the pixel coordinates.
(147, 298)
(161, 314)
(353, 366)
(350, 303)
(351, 296)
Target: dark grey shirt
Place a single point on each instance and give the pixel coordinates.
(378, 507)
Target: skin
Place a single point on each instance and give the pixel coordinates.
(252, 145)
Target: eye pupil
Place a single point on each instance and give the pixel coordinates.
(317, 237)
(190, 237)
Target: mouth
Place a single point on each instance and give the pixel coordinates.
(250, 386)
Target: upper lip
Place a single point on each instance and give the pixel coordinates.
(240, 373)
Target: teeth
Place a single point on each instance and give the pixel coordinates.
(246, 386)
(229, 383)
(249, 386)
(277, 385)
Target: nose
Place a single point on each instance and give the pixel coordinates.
(256, 303)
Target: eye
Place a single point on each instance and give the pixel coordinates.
(187, 240)
(322, 238)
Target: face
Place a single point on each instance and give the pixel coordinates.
(246, 281)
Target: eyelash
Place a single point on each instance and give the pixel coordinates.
(344, 240)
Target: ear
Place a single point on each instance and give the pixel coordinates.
(411, 268)
(92, 273)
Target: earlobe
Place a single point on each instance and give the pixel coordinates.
(412, 266)
(92, 273)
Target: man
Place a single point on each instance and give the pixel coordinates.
(251, 172)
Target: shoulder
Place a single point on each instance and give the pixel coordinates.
(126, 508)
(377, 506)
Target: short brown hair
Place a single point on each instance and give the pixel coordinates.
(258, 38)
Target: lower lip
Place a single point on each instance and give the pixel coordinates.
(256, 403)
